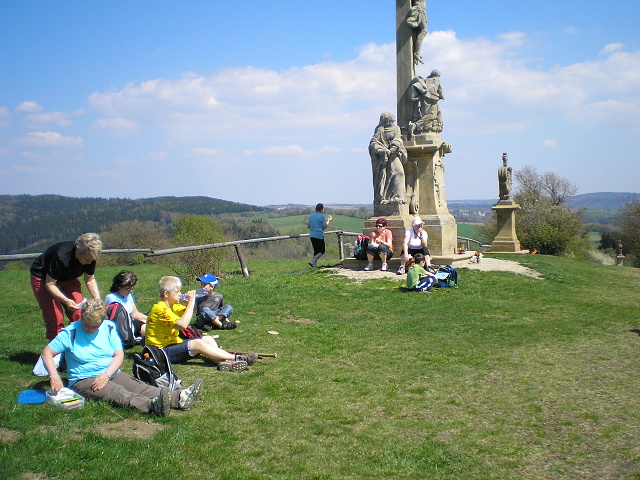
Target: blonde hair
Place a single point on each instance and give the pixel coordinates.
(94, 312)
(168, 283)
(89, 245)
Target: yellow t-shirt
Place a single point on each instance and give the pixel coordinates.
(160, 322)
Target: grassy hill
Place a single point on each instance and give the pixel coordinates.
(27, 222)
(506, 377)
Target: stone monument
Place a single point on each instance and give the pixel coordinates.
(506, 240)
(407, 159)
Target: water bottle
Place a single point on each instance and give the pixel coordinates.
(201, 292)
(148, 359)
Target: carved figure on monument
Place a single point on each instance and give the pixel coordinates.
(425, 94)
(417, 22)
(505, 180)
(388, 155)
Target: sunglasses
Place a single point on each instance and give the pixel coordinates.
(379, 225)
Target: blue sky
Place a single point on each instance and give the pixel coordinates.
(274, 102)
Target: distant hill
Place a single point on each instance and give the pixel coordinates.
(601, 201)
(29, 222)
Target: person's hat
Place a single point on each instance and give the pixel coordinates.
(417, 221)
(209, 278)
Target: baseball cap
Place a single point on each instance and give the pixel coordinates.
(417, 221)
(209, 278)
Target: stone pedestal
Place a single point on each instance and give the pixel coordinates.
(506, 240)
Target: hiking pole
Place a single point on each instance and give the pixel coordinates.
(260, 355)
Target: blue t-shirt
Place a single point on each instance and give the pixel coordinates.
(127, 301)
(87, 355)
(317, 224)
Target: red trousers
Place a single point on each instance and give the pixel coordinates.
(52, 308)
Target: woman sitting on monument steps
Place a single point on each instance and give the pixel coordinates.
(381, 245)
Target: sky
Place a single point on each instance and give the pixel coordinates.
(274, 102)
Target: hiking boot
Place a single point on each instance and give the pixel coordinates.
(162, 403)
(400, 270)
(227, 325)
(250, 358)
(232, 366)
(385, 267)
(189, 395)
(368, 267)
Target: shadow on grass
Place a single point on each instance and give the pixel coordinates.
(24, 358)
(635, 330)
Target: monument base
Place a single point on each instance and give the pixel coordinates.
(506, 240)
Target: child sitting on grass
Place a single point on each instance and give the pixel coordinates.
(417, 277)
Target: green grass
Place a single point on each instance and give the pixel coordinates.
(506, 377)
(296, 224)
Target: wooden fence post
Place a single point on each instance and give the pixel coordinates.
(243, 265)
(340, 246)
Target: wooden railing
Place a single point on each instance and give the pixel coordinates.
(148, 252)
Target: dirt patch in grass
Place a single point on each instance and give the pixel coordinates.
(299, 320)
(486, 265)
(129, 428)
(9, 436)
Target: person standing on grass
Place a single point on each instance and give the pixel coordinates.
(317, 225)
(417, 277)
(55, 284)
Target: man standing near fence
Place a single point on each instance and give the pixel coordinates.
(317, 224)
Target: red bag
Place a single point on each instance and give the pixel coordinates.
(190, 332)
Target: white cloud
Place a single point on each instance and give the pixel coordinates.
(611, 47)
(51, 139)
(43, 120)
(550, 143)
(115, 127)
(206, 152)
(284, 150)
(29, 107)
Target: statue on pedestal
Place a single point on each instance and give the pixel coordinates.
(425, 94)
(388, 155)
(505, 179)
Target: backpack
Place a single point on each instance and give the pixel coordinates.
(152, 366)
(360, 251)
(117, 313)
(446, 277)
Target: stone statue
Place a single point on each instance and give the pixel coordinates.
(426, 92)
(388, 155)
(417, 22)
(504, 179)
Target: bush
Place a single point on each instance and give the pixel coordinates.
(198, 230)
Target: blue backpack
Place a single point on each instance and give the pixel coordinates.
(446, 277)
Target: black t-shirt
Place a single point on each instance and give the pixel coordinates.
(60, 263)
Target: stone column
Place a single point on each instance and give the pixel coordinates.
(506, 240)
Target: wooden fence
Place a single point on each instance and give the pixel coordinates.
(148, 252)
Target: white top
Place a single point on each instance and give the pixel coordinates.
(415, 241)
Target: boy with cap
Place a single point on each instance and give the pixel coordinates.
(211, 312)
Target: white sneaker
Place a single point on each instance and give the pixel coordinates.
(401, 270)
(368, 267)
(385, 267)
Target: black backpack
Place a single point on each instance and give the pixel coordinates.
(117, 313)
(152, 366)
